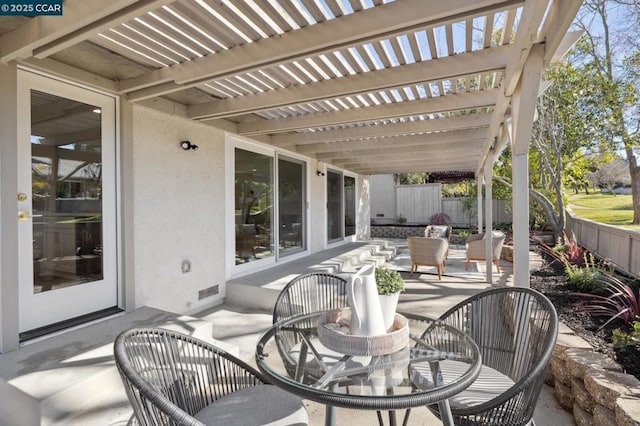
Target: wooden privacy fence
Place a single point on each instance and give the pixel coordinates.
(618, 245)
(417, 203)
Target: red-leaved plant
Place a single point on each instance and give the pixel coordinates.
(616, 300)
(440, 218)
(571, 253)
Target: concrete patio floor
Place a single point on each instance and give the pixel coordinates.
(71, 380)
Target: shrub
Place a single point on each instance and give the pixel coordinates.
(586, 277)
(389, 281)
(401, 219)
(622, 338)
(440, 218)
(617, 300)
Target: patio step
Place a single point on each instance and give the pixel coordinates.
(65, 379)
(260, 290)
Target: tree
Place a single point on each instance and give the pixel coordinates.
(560, 137)
(612, 173)
(611, 54)
(409, 178)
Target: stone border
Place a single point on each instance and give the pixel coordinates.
(591, 385)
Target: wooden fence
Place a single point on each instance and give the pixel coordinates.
(618, 245)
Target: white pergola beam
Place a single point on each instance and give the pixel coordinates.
(553, 31)
(557, 40)
(441, 152)
(411, 168)
(376, 158)
(450, 67)
(382, 22)
(381, 112)
(391, 129)
(81, 19)
(452, 137)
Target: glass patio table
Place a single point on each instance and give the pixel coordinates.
(438, 362)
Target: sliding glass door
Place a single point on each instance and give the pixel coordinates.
(253, 206)
(291, 206)
(270, 205)
(341, 206)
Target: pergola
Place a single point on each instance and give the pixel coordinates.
(371, 86)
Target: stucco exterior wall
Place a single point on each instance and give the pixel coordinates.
(383, 199)
(177, 214)
(317, 214)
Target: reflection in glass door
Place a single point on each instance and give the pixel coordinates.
(67, 216)
(66, 188)
(253, 206)
(334, 206)
(349, 206)
(291, 206)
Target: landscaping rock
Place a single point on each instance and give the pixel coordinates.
(607, 386)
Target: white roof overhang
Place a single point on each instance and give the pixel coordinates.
(370, 86)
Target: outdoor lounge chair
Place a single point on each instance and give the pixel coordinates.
(515, 329)
(477, 248)
(175, 379)
(428, 252)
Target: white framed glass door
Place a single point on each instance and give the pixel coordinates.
(66, 204)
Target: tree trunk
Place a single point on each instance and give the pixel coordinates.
(634, 171)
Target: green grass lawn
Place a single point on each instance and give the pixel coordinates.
(604, 208)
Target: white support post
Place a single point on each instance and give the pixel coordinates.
(479, 202)
(523, 108)
(488, 208)
(520, 225)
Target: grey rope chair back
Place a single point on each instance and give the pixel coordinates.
(170, 376)
(305, 294)
(515, 329)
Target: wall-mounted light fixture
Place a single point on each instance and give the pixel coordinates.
(319, 173)
(186, 145)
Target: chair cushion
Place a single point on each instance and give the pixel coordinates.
(254, 406)
(489, 384)
(437, 231)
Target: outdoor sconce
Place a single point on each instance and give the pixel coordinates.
(186, 145)
(319, 173)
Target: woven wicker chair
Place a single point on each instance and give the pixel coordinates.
(428, 252)
(477, 249)
(515, 329)
(305, 294)
(174, 379)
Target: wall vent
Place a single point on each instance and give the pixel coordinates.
(210, 291)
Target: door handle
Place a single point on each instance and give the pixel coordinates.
(26, 215)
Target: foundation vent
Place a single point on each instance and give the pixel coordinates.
(209, 291)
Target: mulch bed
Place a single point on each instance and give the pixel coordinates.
(551, 281)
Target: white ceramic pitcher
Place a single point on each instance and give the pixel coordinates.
(366, 313)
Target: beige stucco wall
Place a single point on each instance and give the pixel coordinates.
(177, 214)
(179, 211)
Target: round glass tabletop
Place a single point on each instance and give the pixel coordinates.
(437, 362)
